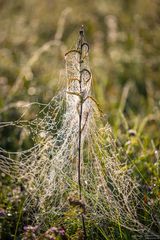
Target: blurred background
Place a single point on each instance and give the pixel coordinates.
(124, 39)
(123, 35)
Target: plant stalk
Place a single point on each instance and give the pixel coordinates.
(79, 47)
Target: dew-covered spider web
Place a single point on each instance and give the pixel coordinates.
(48, 170)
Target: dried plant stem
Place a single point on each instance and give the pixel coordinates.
(79, 47)
(79, 152)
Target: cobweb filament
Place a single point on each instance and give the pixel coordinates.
(48, 169)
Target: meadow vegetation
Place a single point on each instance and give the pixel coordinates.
(41, 195)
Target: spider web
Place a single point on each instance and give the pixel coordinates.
(48, 170)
